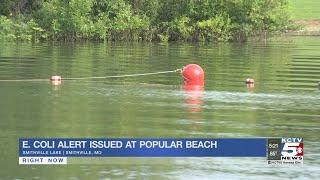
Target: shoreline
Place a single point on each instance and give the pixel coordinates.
(308, 27)
(305, 27)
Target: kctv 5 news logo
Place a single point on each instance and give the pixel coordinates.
(285, 151)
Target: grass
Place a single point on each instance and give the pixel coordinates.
(305, 9)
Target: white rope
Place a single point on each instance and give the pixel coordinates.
(18, 80)
(121, 76)
(95, 77)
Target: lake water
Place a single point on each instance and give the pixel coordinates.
(285, 102)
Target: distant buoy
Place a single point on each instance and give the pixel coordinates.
(193, 74)
(249, 81)
(55, 80)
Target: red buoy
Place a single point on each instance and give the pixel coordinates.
(193, 74)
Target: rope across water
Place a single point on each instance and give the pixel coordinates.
(95, 77)
(125, 75)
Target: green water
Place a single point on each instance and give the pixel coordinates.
(284, 102)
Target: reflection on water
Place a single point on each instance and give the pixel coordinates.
(194, 97)
(284, 101)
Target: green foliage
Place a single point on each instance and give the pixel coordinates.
(88, 19)
(162, 20)
(66, 19)
(21, 30)
(181, 29)
(5, 7)
(14, 7)
(215, 28)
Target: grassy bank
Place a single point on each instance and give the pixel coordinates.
(305, 9)
(306, 14)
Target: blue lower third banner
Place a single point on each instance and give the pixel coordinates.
(47, 148)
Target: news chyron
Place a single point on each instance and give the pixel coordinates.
(285, 151)
(276, 151)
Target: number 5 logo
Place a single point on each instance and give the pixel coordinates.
(290, 149)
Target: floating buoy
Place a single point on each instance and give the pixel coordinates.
(249, 81)
(56, 80)
(193, 74)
